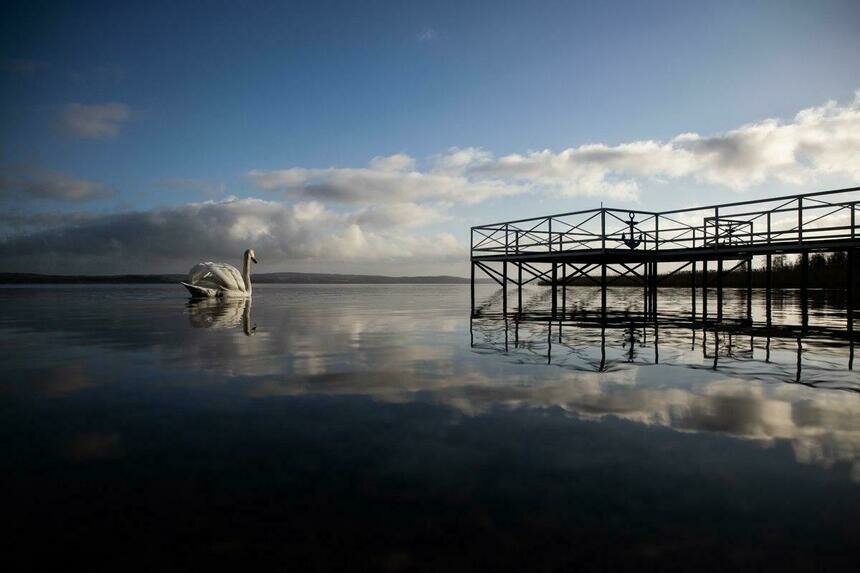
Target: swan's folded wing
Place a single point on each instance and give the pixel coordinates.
(201, 275)
(228, 276)
(217, 275)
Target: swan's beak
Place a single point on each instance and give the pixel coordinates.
(254, 259)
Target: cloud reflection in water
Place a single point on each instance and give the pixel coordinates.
(412, 344)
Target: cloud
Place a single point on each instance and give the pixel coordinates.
(407, 215)
(38, 183)
(96, 121)
(170, 239)
(392, 179)
(396, 163)
(23, 223)
(372, 213)
(817, 142)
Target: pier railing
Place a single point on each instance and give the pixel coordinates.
(819, 217)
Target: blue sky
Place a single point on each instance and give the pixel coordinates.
(260, 123)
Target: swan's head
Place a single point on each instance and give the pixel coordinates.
(249, 254)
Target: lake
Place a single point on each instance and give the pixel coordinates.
(379, 427)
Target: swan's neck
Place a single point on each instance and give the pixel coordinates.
(246, 273)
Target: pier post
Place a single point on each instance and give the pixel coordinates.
(704, 291)
(554, 289)
(719, 290)
(603, 291)
(505, 280)
(849, 292)
(563, 288)
(520, 288)
(768, 283)
(850, 275)
(768, 305)
(656, 291)
(654, 268)
(473, 288)
(505, 288)
(693, 282)
(651, 289)
(650, 282)
(645, 295)
(749, 288)
(804, 281)
(519, 274)
(693, 291)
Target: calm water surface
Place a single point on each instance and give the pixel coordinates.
(378, 427)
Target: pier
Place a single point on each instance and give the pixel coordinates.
(605, 245)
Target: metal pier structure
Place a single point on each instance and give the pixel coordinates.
(602, 246)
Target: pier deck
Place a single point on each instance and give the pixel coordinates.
(604, 244)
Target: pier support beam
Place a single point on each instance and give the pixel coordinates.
(653, 290)
(719, 290)
(505, 288)
(563, 289)
(645, 291)
(804, 283)
(850, 275)
(473, 288)
(603, 291)
(704, 291)
(749, 288)
(768, 287)
(656, 292)
(520, 288)
(693, 292)
(554, 289)
(850, 287)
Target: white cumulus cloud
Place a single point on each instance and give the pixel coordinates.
(818, 141)
(171, 239)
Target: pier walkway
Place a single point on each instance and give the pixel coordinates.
(600, 246)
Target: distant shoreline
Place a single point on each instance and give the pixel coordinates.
(263, 278)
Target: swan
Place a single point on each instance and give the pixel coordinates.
(220, 279)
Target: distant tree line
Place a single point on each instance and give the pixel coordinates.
(825, 271)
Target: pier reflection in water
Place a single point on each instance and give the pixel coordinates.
(743, 379)
(362, 427)
(767, 353)
(781, 321)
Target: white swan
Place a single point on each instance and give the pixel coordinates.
(221, 279)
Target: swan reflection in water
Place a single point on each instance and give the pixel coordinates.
(221, 313)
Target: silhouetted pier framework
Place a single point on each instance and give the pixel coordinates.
(600, 246)
(727, 341)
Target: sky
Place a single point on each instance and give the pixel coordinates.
(367, 137)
